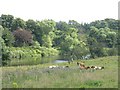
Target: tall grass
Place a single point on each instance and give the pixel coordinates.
(40, 76)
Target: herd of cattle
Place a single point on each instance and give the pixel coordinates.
(81, 66)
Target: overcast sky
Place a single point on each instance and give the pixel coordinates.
(64, 10)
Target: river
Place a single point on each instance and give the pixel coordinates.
(38, 60)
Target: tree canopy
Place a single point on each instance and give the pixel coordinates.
(98, 38)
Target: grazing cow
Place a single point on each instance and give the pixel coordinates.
(82, 66)
(87, 67)
(92, 67)
(65, 66)
(100, 68)
(53, 66)
(97, 68)
(78, 63)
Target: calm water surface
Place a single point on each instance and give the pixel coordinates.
(34, 61)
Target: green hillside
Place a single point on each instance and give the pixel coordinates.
(40, 76)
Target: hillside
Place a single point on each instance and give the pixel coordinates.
(40, 76)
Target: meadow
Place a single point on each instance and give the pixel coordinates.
(40, 76)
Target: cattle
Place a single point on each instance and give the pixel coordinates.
(53, 66)
(82, 66)
(97, 67)
(65, 67)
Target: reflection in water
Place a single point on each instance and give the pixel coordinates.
(60, 61)
(54, 59)
(36, 60)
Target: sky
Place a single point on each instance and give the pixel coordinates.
(82, 11)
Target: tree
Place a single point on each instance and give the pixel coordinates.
(112, 23)
(74, 24)
(63, 26)
(44, 29)
(22, 37)
(7, 21)
(111, 39)
(46, 42)
(96, 49)
(99, 39)
(1, 30)
(8, 37)
(4, 53)
(99, 24)
(31, 25)
(18, 23)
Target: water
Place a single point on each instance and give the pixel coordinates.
(37, 60)
(54, 59)
(60, 61)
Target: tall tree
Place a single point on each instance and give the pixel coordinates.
(31, 25)
(8, 37)
(44, 29)
(22, 37)
(7, 21)
(18, 23)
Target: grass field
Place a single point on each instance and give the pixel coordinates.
(40, 76)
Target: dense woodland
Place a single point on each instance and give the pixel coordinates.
(20, 39)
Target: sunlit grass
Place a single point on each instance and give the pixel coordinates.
(40, 76)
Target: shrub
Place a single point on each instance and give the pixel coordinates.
(112, 51)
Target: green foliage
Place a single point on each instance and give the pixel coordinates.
(10, 53)
(99, 24)
(46, 42)
(80, 50)
(63, 26)
(8, 37)
(44, 32)
(4, 52)
(91, 83)
(111, 51)
(69, 44)
(31, 25)
(24, 52)
(15, 85)
(7, 21)
(47, 26)
(18, 23)
(5, 56)
(48, 52)
(1, 30)
(99, 39)
(47, 38)
(112, 23)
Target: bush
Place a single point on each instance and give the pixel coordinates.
(34, 51)
(49, 51)
(26, 52)
(112, 51)
(5, 56)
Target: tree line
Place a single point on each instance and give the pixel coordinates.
(20, 38)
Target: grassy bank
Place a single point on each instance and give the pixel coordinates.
(40, 76)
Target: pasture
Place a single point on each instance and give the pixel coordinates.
(40, 76)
